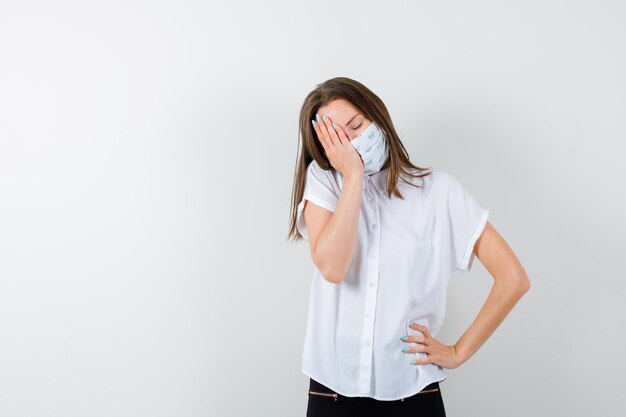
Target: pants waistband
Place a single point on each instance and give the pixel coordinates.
(319, 387)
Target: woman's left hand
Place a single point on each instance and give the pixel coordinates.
(438, 353)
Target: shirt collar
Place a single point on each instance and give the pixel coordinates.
(377, 179)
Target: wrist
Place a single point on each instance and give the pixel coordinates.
(354, 177)
(459, 355)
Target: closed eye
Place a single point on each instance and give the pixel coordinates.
(357, 126)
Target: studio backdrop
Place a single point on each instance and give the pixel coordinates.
(147, 157)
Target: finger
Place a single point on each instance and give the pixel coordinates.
(414, 348)
(341, 134)
(422, 329)
(419, 348)
(332, 135)
(332, 132)
(320, 135)
(423, 361)
(416, 339)
(321, 125)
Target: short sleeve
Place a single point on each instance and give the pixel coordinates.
(320, 190)
(467, 222)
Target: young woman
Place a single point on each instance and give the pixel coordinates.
(385, 236)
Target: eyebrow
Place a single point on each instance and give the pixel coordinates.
(353, 117)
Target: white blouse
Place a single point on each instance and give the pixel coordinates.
(405, 253)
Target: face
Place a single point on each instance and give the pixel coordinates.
(347, 116)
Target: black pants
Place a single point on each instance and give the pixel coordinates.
(324, 402)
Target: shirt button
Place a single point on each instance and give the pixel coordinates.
(371, 199)
(368, 315)
(372, 284)
(374, 255)
(366, 343)
(374, 226)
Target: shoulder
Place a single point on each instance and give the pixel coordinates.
(442, 177)
(454, 192)
(316, 169)
(441, 187)
(328, 178)
(438, 181)
(325, 175)
(446, 181)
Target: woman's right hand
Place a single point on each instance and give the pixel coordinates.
(340, 152)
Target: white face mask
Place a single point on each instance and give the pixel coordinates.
(372, 145)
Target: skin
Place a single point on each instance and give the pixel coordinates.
(349, 122)
(510, 283)
(332, 238)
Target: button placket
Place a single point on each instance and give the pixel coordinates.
(371, 196)
(370, 305)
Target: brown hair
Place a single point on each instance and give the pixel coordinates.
(374, 110)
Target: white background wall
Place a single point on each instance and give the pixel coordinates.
(147, 151)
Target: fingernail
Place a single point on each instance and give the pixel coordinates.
(314, 123)
(405, 349)
(412, 363)
(335, 125)
(324, 117)
(412, 323)
(404, 338)
(317, 116)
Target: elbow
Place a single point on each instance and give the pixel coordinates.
(331, 273)
(523, 283)
(332, 276)
(329, 270)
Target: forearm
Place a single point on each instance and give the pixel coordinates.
(504, 294)
(335, 245)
